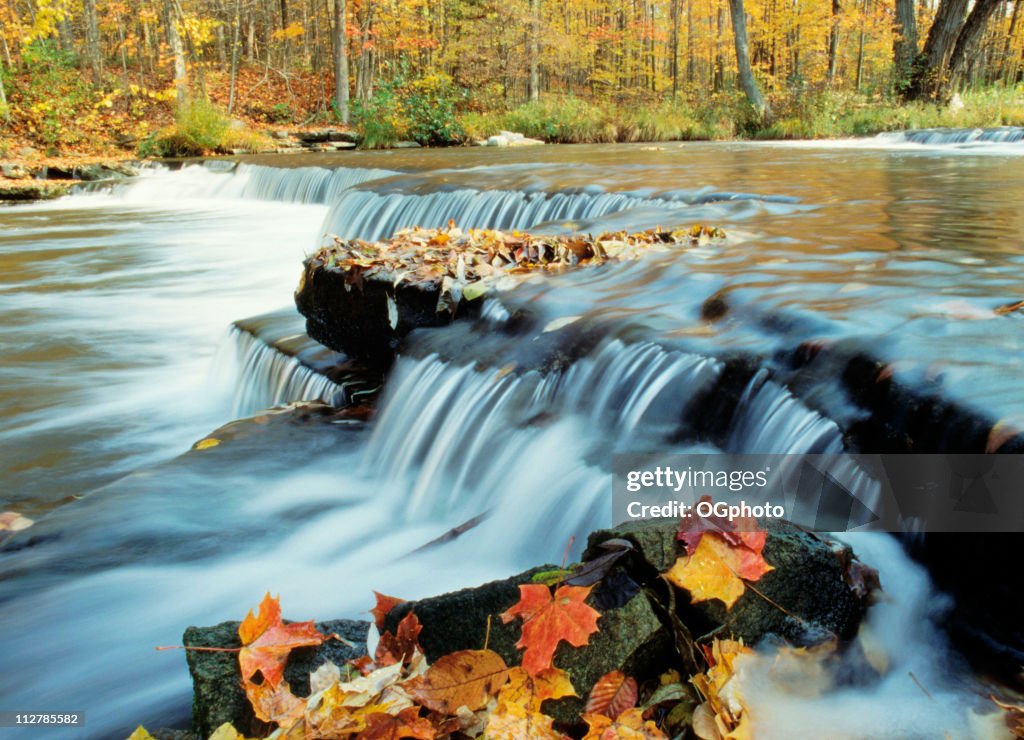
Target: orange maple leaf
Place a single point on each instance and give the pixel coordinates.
(267, 641)
(547, 620)
(384, 605)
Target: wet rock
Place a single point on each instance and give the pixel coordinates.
(406, 145)
(818, 588)
(218, 695)
(630, 636)
(367, 320)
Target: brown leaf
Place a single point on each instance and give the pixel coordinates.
(613, 694)
(466, 678)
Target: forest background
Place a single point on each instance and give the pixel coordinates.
(179, 77)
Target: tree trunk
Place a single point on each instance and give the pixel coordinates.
(177, 50)
(747, 81)
(235, 43)
(905, 42)
(928, 76)
(534, 49)
(1007, 59)
(833, 41)
(4, 110)
(92, 41)
(674, 66)
(968, 38)
(341, 60)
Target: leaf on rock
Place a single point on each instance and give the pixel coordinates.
(548, 620)
(613, 694)
(630, 725)
(743, 531)
(401, 646)
(140, 733)
(205, 444)
(275, 703)
(716, 570)
(466, 678)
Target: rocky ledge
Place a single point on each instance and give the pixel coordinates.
(816, 593)
(23, 182)
(362, 298)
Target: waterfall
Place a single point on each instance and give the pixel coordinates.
(219, 180)
(366, 214)
(938, 136)
(451, 434)
(267, 377)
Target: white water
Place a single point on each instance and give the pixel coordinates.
(169, 549)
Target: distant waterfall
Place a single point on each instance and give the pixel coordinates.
(939, 136)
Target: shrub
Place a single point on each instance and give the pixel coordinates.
(422, 109)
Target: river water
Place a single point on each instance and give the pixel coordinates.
(115, 316)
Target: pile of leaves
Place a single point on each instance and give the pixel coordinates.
(467, 264)
(392, 692)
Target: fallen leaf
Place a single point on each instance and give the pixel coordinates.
(205, 444)
(512, 721)
(714, 572)
(630, 725)
(226, 731)
(533, 691)
(466, 678)
(399, 647)
(723, 714)
(140, 733)
(12, 521)
(613, 694)
(548, 620)
(406, 724)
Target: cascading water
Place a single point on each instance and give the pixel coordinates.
(113, 305)
(267, 377)
(310, 185)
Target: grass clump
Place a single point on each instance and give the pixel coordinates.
(200, 127)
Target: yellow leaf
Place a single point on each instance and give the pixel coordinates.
(205, 444)
(706, 575)
(140, 733)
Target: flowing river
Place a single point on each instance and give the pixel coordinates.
(116, 313)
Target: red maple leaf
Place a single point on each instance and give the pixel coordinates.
(547, 621)
(739, 532)
(267, 641)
